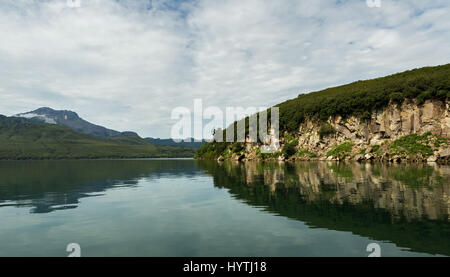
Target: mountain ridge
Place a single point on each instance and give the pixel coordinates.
(24, 138)
(73, 121)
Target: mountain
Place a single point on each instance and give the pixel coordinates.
(404, 116)
(171, 142)
(73, 121)
(23, 138)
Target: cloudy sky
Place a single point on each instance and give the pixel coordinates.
(126, 64)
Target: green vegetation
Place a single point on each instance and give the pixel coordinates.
(237, 148)
(290, 147)
(416, 144)
(342, 150)
(211, 150)
(216, 149)
(376, 149)
(326, 129)
(438, 141)
(25, 139)
(268, 155)
(362, 97)
(305, 152)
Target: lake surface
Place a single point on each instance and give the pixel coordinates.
(203, 208)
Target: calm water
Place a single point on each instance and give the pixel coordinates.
(197, 208)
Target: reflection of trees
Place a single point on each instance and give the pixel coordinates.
(47, 186)
(405, 204)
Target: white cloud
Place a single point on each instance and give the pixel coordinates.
(126, 64)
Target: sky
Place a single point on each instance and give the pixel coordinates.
(127, 64)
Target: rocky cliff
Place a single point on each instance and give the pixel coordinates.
(407, 131)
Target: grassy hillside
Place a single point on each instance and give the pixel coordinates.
(358, 98)
(25, 139)
(362, 97)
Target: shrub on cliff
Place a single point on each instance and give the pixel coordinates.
(237, 147)
(211, 150)
(342, 150)
(289, 149)
(305, 152)
(416, 144)
(268, 155)
(326, 129)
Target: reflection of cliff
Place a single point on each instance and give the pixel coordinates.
(53, 185)
(410, 192)
(408, 205)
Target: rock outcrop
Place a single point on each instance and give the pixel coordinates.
(391, 123)
(373, 137)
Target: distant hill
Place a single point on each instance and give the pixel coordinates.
(171, 142)
(22, 138)
(73, 121)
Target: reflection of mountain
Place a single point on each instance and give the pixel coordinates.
(53, 185)
(407, 205)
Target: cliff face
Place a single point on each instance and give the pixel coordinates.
(389, 124)
(375, 137)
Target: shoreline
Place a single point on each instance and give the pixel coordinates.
(98, 159)
(363, 161)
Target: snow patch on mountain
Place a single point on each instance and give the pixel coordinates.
(41, 117)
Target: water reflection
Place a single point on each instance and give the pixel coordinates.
(405, 204)
(47, 186)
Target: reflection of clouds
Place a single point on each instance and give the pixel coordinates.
(47, 186)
